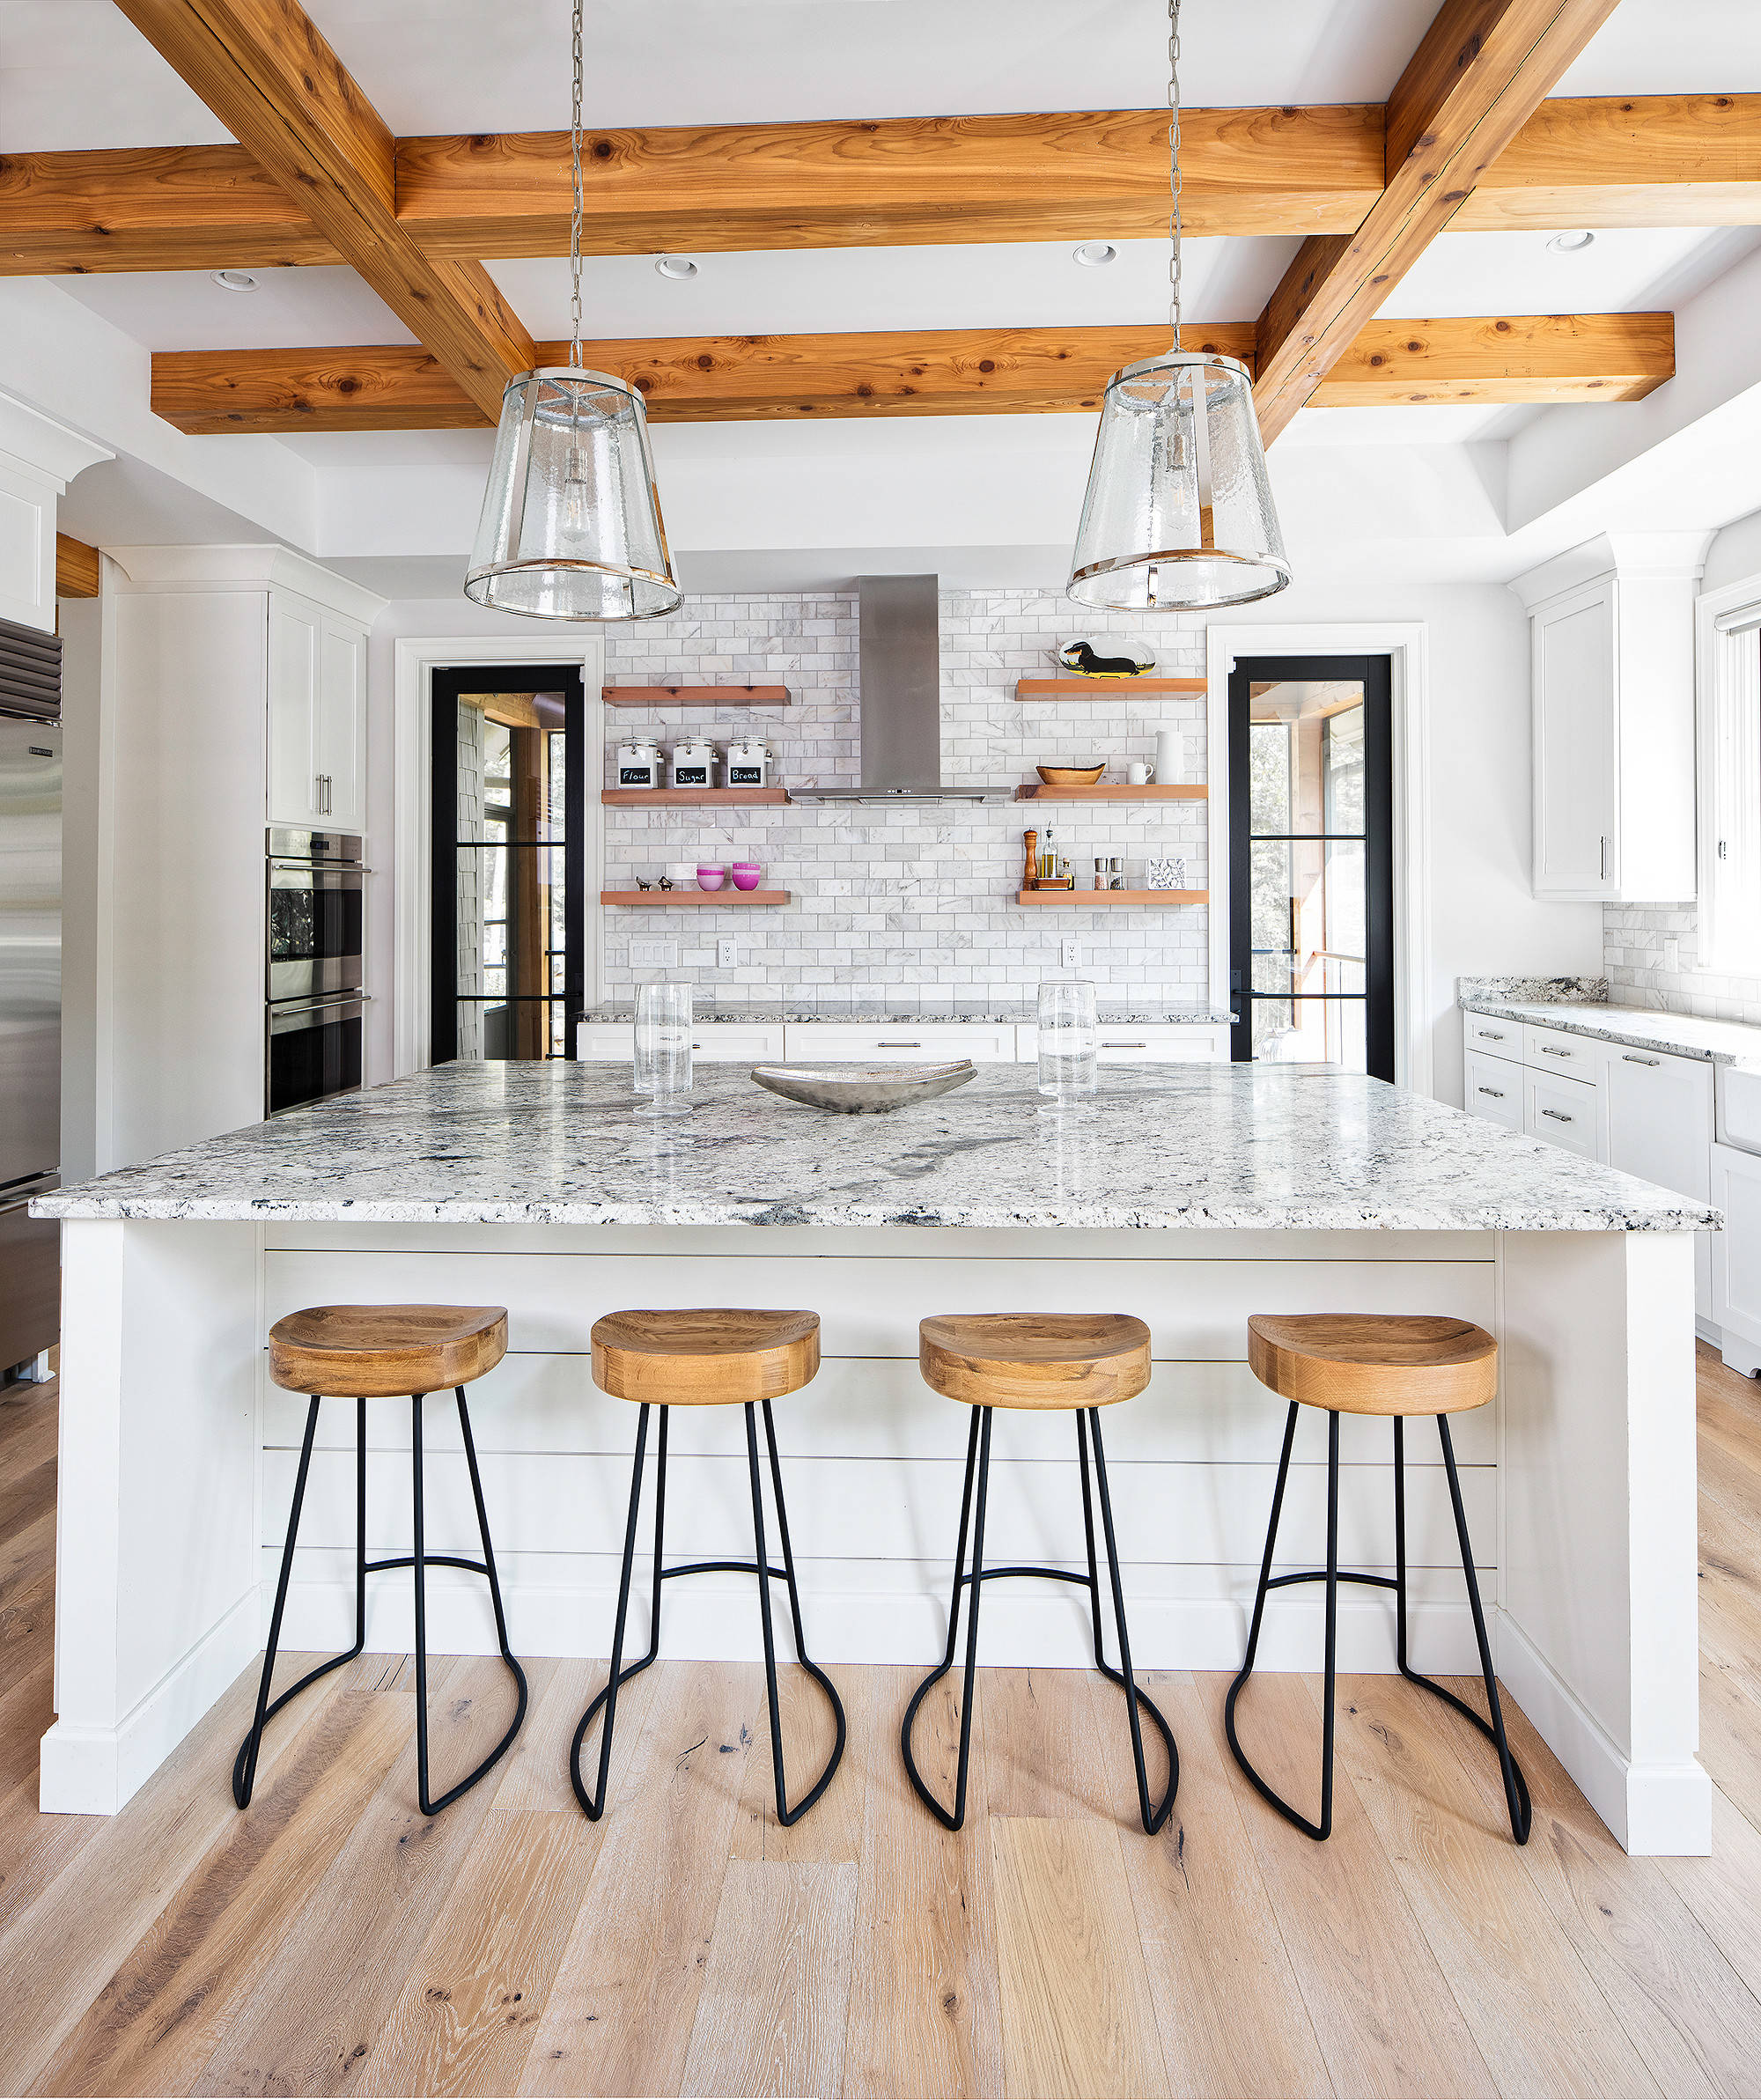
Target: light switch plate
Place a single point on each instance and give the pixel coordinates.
(727, 954)
(653, 955)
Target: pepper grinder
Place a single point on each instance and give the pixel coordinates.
(1030, 871)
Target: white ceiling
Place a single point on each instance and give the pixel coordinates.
(74, 73)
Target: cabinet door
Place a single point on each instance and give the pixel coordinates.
(1156, 1043)
(1562, 1111)
(1576, 845)
(1493, 1087)
(1483, 1035)
(1736, 1256)
(340, 742)
(1657, 1123)
(295, 648)
(902, 1042)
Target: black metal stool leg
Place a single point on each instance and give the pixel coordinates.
(978, 1469)
(420, 1564)
(595, 1802)
(785, 1815)
(1515, 1786)
(1153, 1817)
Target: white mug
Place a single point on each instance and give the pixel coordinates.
(1139, 774)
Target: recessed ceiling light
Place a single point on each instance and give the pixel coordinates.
(1570, 244)
(233, 280)
(1093, 253)
(675, 266)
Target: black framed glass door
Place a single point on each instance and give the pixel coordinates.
(508, 909)
(1311, 873)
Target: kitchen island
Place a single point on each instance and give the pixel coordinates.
(1190, 1195)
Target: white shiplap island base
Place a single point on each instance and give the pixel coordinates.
(1190, 1195)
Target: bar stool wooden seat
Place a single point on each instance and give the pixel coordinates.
(1397, 1365)
(707, 1357)
(374, 1353)
(1080, 1362)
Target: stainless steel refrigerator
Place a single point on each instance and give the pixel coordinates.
(30, 987)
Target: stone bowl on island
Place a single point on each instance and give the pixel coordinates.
(863, 1089)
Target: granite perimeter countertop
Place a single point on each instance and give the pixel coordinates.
(1300, 1147)
(1638, 1028)
(904, 1014)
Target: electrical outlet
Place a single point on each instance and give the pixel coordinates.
(727, 954)
(653, 955)
(1070, 955)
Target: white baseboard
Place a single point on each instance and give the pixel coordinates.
(93, 1772)
(1652, 1808)
(715, 1618)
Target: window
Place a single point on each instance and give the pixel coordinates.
(1730, 642)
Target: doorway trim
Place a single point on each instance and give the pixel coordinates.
(1406, 645)
(415, 659)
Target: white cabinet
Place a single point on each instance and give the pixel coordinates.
(1657, 1123)
(1492, 1037)
(1611, 665)
(712, 1042)
(1492, 1087)
(318, 716)
(1152, 1042)
(1552, 1051)
(1562, 1111)
(1736, 1187)
(904, 1043)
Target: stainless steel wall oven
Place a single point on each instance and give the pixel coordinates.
(314, 972)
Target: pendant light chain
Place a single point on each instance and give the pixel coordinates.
(1173, 227)
(575, 217)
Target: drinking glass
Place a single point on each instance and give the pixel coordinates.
(1069, 1038)
(663, 1048)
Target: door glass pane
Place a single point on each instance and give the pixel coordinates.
(510, 890)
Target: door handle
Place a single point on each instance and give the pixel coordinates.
(1603, 844)
(1558, 1114)
(1627, 1057)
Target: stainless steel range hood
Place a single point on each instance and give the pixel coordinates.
(900, 700)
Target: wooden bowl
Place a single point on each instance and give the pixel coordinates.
(1070, 775)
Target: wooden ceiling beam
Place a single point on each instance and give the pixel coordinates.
(76, 572)
(1537, 358)
(1600, 161)
(267, 73)
(1480, 73)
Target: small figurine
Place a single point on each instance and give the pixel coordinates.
(640, 884)
(1088, 662)
(666, 882)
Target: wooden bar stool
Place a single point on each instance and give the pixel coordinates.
(1081, 1362)
(1396, 1364)
(375, 1352)
(717, 1357)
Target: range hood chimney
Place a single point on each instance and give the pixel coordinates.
(900, 699)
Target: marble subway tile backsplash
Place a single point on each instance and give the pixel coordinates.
(919, 898)
(1651, 953)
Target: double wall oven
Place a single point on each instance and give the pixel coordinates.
(315, 992)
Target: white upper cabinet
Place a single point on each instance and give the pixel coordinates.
(1612, 669)
(318, 716)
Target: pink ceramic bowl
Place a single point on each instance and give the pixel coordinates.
(747, 874)
(711, 878)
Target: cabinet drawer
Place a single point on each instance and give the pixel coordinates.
(1549, 1050)
(1158, 1042)
(1486, 1037)
(1494, 1089)
(717, 1043)
(1562, 1111)
(904, 1042)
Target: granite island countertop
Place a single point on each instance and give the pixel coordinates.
(1297, 1148)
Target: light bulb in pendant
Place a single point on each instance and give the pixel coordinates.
(576, 495)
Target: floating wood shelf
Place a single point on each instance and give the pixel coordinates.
(694, 696)
(1177, 790)
(661, 900)
(629, 798)
(1085, 897)
(1103, 689)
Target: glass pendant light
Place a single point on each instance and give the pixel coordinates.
(1179, 514)
(570, 526)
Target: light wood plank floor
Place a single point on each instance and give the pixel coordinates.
(333, 1941)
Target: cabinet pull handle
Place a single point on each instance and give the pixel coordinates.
(884, 1044)
(1548, 1051)
(1489, 1034)
(1627, 1057)
(1604, 859)
(1496, 1092)
(1558, 1114)
(1124, 1046)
